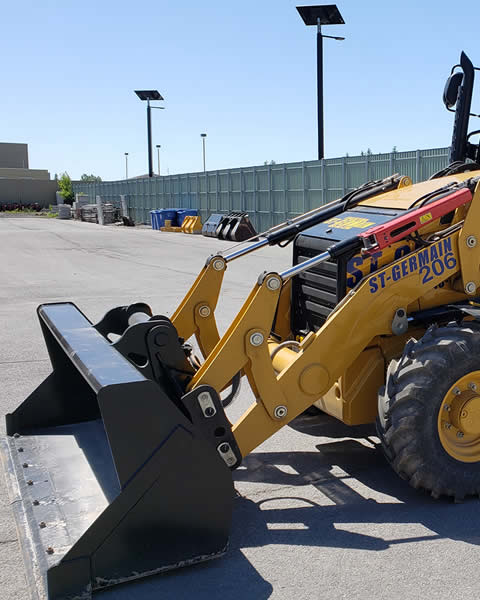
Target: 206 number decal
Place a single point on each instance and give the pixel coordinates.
(438, 267)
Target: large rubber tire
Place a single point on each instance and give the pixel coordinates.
(409, 403)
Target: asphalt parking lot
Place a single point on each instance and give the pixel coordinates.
(319, 513)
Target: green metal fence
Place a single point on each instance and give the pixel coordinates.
(270, 193)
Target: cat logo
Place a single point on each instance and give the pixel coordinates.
(349, 223)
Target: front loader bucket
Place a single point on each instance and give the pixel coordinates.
(109, 478)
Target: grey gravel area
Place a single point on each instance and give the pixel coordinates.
(319, 513)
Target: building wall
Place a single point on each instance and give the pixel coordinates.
(28, 191)
(13, 156)
(16, 173)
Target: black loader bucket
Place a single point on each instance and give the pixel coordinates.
(209, 228)
(235, 226)
(114, 472)
(242, 229)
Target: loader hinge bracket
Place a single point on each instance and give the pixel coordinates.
(400, 322)
(206, 411)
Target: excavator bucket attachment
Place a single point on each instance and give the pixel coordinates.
(112, 477)
(236, 226)
(209, 228)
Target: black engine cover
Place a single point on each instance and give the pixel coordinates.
(316, 292)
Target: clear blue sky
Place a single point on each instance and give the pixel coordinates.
(244, 72)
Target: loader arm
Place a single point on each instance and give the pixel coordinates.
(367, 311)
(195, 314)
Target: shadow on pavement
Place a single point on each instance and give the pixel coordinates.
(343, 470)
(346, 471)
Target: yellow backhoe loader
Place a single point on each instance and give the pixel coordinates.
(119, 463)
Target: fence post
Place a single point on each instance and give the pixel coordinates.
(123, 202)
(322, 179)
(344, 177)
(417, 166)
(304, 209)
(285, 195)
(243, 203)
(270, 206)
(99, 210)
(255, 206)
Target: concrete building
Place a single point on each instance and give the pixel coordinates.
(18, 183)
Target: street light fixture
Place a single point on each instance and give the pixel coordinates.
(203, 136)
(149, 95)
(126, 165)
(324, 14)
(158, 146)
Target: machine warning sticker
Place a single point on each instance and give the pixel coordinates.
(349, 223)
(426, 218)
(429, 262)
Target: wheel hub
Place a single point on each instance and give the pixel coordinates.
(459, 419)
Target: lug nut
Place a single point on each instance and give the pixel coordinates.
(472, 386)
(448, 425)
(42, 524)
(456, 391)
(459, 434)
(447, 407)
(29, 482)
(50, 550)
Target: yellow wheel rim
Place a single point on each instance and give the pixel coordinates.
(459, 419)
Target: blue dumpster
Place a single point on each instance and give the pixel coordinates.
(185, 212)
(154, 218)
(168, 214)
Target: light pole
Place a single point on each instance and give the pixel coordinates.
(158, 146)
(203, 136)
(149, 95)
(126, 165)
(324, 14)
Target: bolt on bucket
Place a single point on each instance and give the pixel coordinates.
(111, 476)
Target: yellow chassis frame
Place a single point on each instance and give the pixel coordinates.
(323, 356)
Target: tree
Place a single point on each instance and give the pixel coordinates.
(66, 189)
(86, 177)
(394, 149)
(272, 162)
